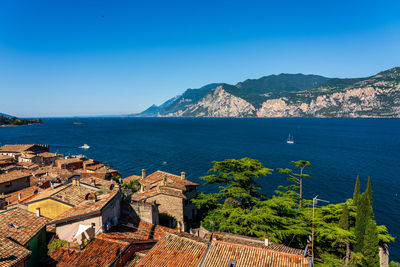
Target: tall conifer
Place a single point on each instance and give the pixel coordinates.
(370, 250)
(356, 194)
(362, 218)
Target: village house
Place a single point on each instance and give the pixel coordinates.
(56, 200)
(94, 215)
(125, 245)
(26, 157)
(27, 230)
(13, 254)
(14, 180)
(171, 193)
(71, 163)
(16, 150)
(189, 250)
(46, 158)
(6, 161)
(20, 196)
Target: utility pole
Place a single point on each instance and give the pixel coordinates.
(315, 201)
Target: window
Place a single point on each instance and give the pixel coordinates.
(232, 263)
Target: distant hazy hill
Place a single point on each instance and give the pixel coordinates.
(290, 95)
(6, 120)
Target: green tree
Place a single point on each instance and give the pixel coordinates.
(344, 224)
(370, 249)
(362, 218)
(297, 178)
(368, 192)
(357, 192)
(237, 180)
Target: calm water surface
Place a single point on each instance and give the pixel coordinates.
(338, 149)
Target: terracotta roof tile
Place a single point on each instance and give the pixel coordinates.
(128, 179)
(13, 175)
(222, 253)
(158, 176)
(11, 253)
(86, 207)
(157, 191)
(176, 250)
(98, 183)
(253, 241)
(62, 257)
(26, 194)
(16, 148)
(69, 160)
(20, 225)
(49, 155)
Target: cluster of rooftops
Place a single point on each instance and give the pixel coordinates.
(79, 204)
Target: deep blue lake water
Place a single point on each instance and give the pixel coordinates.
(338, 149)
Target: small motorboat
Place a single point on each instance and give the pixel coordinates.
(85, 146)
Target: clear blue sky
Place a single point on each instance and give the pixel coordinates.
(62, 58)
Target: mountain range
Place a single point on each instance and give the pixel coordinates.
(289, 95)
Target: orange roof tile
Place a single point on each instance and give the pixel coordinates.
(139, 196)
(16, 148)
(11, 253)
(158, 177)
(62, 257)
(13, 175)
(26, 193)
(222, 253)
(86, 208)
(176, 250)
(20, 225)
(99, 183)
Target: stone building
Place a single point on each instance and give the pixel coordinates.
(13, 181)
(17, 150)
(172, 194)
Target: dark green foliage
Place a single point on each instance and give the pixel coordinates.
(236, 180)
(7, 120)
(362, 218)
(394, 264)
(368, 192)
(56, 243)
(370, 249)
(344, 219)
(336, 225)
(357, 192)
(132, 185)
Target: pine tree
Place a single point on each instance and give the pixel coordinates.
(356, 194)
(370, 250)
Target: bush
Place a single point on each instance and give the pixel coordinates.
(56, 243)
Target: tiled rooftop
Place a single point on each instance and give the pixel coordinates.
(15, 148)
(86, 207)
(222, 253)
(48, 155)
(11, 253)
(73, 194)
(253, 241)
(156, 191)
(69, 160)
(128, 179)
(26, 193)
(176, 250)
(13, 175)
(62, 257)
(98, 183)
(20, 225)
(172, 180)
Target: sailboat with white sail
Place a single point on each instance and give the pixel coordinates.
(290, 140)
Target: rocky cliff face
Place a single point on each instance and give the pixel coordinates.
(375, 96)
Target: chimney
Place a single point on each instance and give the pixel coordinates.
(73, 181)
(19, 196)
(93, 182)
(78, 183)
(165, 180)
(183, 176)
(143, 173)
(37, 212)
(266, 241)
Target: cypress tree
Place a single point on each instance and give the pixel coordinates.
(362, 218)
(356, 194)
(369, 192)
(370, 250)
